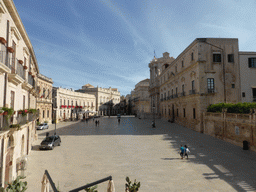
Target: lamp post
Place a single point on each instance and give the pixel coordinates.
(153, 123)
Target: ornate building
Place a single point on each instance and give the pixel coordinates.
(44, 99)
(141, 99)
(206, 72)
(68, 104)
(157, 65)
(106, 99)
(18, 74)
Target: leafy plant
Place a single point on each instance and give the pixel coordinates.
(15, 126)
(132, 187)
(34, 111)
(232, 108)
(16, 186)
(92, 189)
(9, 111)
(23, 112)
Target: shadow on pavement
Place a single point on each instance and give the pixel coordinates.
(228, 162)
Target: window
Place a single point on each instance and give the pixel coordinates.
(161, 96)
(192, 56)
(252, 62)
(24, 102)
(172, 92)
(216, 57)
(233, 85)
(168, 93)
(243, 94)
(194, 113)
(193, 85)
(176, 69)
(231, 58)
(184, 113)
(68, 102)
(254, 94)
(92, 104)
(72, 103)
(164, 95)
(43, 113)
(183, 88)
(48, 112)
(64, 102)
(165, 111)
(182, 63)
(176, 90)
(12, 99)
(210, 85)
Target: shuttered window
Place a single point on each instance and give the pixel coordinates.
(252, 62)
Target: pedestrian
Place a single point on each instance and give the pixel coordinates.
(153, 124)
(182, 150)
(186, 151)
(118, 121)
(96, 122)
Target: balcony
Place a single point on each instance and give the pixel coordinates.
(4, 67)
(44, 100)
(211, 91)
(17, 75)
(191, 92)
(26, 86)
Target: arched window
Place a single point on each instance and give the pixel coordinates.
(10, 142)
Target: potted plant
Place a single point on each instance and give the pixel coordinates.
(25, 67)
(34, 111)
(23, 112)
(1, 111)
(16, 185)
(91, 189)
(15, 126)
(10, 49)
(8, 112)
(131, 187)
(30, 73)
(20, 61)
(2, 40)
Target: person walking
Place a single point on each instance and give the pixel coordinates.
(96, 123)
(186, 151)
(182, 150)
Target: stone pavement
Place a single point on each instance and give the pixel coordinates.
(89, 153)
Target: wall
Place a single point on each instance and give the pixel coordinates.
(234, 128)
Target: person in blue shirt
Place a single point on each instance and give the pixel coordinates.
(182, 151)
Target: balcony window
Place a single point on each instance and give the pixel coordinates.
(216, 57)
(254, 94)
(193, 85)
(252, 62)
(231, 58)
(192, 56)
(210, 85)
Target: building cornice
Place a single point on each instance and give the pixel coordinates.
(17, 20)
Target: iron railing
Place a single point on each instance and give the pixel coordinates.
(20, 70)
(211, 91)
(31, 80)
(3, 58)
(191, 92)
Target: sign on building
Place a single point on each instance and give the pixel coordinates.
(237, 130)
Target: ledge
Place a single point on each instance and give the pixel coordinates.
(4, 68)
(15, 79)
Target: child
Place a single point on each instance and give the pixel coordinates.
(182, 150)
(186, 151)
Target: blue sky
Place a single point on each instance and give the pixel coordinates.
(109, 43)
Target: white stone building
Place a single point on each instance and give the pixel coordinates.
(68, 104)
(106, 98)
(18, 74)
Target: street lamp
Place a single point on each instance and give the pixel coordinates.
(153, 123)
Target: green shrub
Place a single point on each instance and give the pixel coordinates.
(232, 108)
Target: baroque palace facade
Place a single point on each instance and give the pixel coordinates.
(18, 76)
(208, 71)
(68, 104)
(106, 99)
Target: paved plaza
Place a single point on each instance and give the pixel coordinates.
(132, 148)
